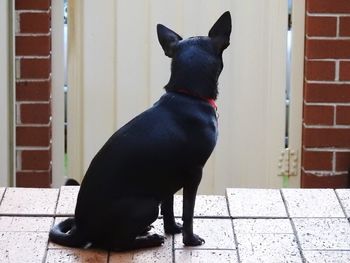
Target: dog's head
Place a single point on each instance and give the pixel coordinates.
(196, 61)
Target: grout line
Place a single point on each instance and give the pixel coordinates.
(33, 34)
(341, 204)
(33, 80)
(46, 11)
(326, 82)
(321, 173)
(328, 59)
(337, 63)
(295, 233)
(327, 14)
(334, 115)
(173, 248)
(27, 102)
(34, 57)
(3, 195)
(325, 104)
(326, 126)
(233, 228)
(48, 241)
(338, 26)
(336, 38)
(326, 149)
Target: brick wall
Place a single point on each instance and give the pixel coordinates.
(326, 122)
(33, 93)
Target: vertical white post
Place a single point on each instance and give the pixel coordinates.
(6, 97)
(297, 77)
(75, 92)
(57, 25)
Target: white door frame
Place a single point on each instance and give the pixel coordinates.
(297, 82)
(7, 94)
(57, 82)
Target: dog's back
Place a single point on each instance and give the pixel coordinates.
(157, 153)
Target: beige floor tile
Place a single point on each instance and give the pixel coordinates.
(323, 233)
(67, 200)
(312, 203)
(327, 256)
(269, 248)
(205, 256)
(255, 203)
(262, 226)
(217, 233)
(70, 255)
(29, 201)
(17, 247)
(206, 205)
(25, 224)
(344, 197)
(152, 255)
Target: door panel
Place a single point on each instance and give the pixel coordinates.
(125, 70)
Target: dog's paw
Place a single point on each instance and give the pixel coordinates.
(155, 240)
(173, 229)
(193, 240)
(147, 229)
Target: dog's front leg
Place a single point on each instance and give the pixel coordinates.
(167, 210)
(190, 191)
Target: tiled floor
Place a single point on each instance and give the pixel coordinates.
(248, 225)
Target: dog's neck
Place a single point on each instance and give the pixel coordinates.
(209, 100)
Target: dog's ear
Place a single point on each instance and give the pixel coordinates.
(220, 32)
(167, 39)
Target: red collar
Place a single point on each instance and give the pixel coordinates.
(209, 100)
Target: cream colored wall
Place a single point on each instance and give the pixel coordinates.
(117, 69)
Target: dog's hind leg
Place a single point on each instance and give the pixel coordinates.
(133, 216)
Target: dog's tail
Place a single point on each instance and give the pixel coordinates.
(65, 233)
(71, 181)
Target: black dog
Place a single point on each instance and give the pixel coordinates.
(157, 153)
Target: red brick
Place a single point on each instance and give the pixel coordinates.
(343, 161)
(328, 6)
(309, 180)
(343, 115)
(327, 93)
(33, 90)
(344, 26)
(318, 115)
(32, 4)
(34, 179)
(36, 160)
(316, 48)
(320, 70)
(317, 160)
(344, 70)
(35, 68)
(321, 26)
(35, 22)
(33, 45)
(326, 137)
(38, 113)
(33, 136)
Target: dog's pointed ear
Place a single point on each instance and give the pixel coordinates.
(167, 39)
(221, 31)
